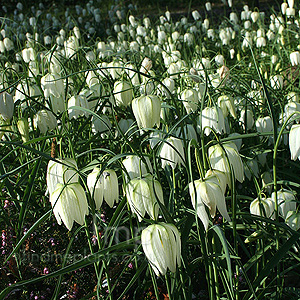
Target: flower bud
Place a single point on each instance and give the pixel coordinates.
(23, 128)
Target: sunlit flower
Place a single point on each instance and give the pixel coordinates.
(190, 99)
(212, 118)
(69, 204)
(146, 110)
(224, 160)
(143, 195)
(172, 152)
(162, 246)
(294, 141)
(262, 207)
(123, 93)
(103, 186)
(293, 220)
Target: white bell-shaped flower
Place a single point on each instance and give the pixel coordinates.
(295, 58)
(62, 171)
(286, 201)
(222, 160)
(212, 118)
(294, 141)
(172, 152)
(146, 110)
(254, 16)
(293, 220)
(142, 195)
(44, 120)
(226, 103)
(52, 84)
(123, 93)
(247, 116)
(69, 204)
(77, 100)
(103, 186)
(263, 207)
(209, 192)
(162, 246)
(264, 124)
(276, 82)
(136, 167)
(190, 99)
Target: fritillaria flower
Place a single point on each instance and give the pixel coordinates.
(69, 204)
(224, 160)
(172, 152)
(143, 195)
(294, 141)
(146, 110)
(262, 207)
(162, 246)
(103, 186)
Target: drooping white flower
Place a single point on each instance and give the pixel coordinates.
(23, 127)
(80, 101)
(295, 58)
(276, 82)
(293, 220)
(190, 99)
(62, 171)
(262, 207)
(294, 141)
(71, 47)
(254, 16)
(172, 152)
(226, 103)
(286, 201)
(143, 195)
(136, 167)
(146, 110)
(69, 204)
(210, 193)
(162, 246)
(212, 118)
(103, 186)
(250, 118)
(284, 6)
(122, 93)
(44, 120)
(222, 160)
